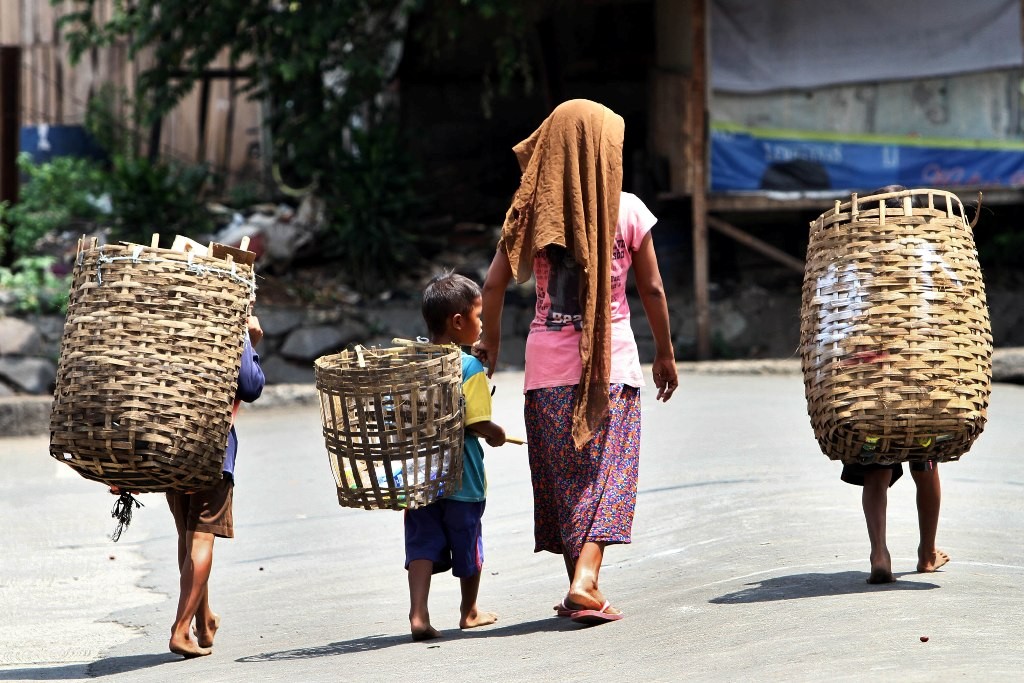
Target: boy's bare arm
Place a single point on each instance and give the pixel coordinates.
(490, 431)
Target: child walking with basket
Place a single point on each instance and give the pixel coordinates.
(447, 534)
(202, 516)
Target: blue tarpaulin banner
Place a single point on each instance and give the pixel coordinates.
(44, 142)
(765, 159)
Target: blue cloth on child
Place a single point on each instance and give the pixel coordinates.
(449, 533)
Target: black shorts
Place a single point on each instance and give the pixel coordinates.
(854, 473)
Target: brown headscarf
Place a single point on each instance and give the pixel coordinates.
(569, 196)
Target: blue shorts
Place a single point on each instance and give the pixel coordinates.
(449, 534)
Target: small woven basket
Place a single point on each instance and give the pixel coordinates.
(393, 420)
(148, 366)
(896, 344)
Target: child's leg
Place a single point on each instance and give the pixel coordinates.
(471, 615)
(207, 621)
(195, 573)
(874, 500)
(420, 572)
(929, 497)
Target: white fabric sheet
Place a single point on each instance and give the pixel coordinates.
(763, 45)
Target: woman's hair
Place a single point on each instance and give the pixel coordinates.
(445, 295)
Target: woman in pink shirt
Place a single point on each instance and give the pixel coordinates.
(584, 487)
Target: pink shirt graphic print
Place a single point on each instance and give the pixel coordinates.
(552, 347)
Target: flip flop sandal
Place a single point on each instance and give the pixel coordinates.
(563, 611)
(595, 616)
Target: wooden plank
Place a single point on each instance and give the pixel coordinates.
(218, 112)
(698, 154)
(756, 244)
(180, 130)
(29, 113)
(10, 22)
(44, 32)
(245, 161)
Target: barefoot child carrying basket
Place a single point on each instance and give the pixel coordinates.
(896, 350)
(447, 534)
(156, 350)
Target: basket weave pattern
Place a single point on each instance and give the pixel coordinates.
(895, 339)
(148, 367)
(392, 421)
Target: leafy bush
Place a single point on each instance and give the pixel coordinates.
(163, 197)
(59, 195)
(30, 286)
(371, 200)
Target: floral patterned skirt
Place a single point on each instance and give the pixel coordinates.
(588, 494)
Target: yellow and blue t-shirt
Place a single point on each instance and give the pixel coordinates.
(478, 409)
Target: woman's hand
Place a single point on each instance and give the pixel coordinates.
(486, 352)
(493, 298)
(665, 377)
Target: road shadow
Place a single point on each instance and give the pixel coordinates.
(97, 669)
(381, 641)
(816, 585)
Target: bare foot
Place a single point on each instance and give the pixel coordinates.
(205, 636)
(477, 618)
(929, 562)
(187, 648)
(881, 576)
(881, 568)
(425, 633)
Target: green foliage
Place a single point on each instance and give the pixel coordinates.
(114, 120)
(162, 197)
(59, 195)
(322, 70)
(145, 197)
(30, 286)
(372, 200)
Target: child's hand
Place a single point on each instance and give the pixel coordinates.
(255, 331)
(497, 438)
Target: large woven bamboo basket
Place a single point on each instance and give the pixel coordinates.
(896, 344)
(393, 420)
(149, 365)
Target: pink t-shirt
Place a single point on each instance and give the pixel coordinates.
(553, 345)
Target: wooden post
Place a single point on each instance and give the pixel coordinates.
(697, 135)
(10, 127)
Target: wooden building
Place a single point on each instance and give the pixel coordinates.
(214, 125)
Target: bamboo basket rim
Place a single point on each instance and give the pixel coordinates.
(853, 204)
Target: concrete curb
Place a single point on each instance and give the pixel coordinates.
(30, 415)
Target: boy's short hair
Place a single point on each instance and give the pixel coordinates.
(445, 295)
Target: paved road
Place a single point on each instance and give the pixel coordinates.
(748, 561)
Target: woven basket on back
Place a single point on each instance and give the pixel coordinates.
(895, 339)
(392, 420)
(148, 366)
